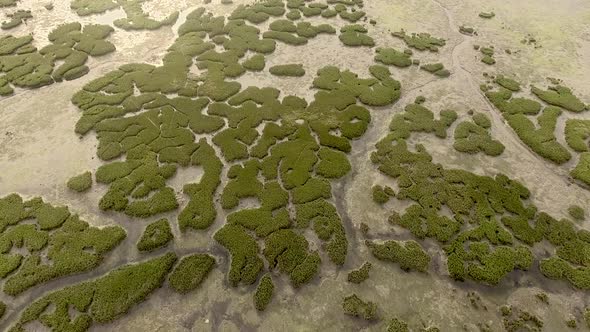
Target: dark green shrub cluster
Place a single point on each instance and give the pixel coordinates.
(284, 151)
(488, 55)
(16, 18)
(99, 301)
(294, 70)
(136, 18)
(2, 309)
(467, 30)
(561, 96)
(390, 56)
(190, 272)
(418, 118)
(72, 245)
(24, 66)
(360, 275)
(540, 138)
(507, 83)
(380, 90)
(381, 195)
(264, 292)
(480, 241)
(156, 235)
(7, 3)
(582, 170)
(355, 35)
(487, 15)
(397, 325)
(576, 212)
(577, 133)
(437, 69)
(80, 182)
(420, 41)
(409, 255)
(474, 137)
(520, 320)
(354, 306)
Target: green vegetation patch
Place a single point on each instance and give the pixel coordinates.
(7, 3)
(474, 137)
(390, 56)
(488, 55)
(136, 18)
(481, 241)
(264, 292)
(361, 274)
(23, 66)
(72, 245)
(487, 15)
(355, 35)
(576, 212)
(561, 96)
(409, 255)
(292, 70)
(190, 272)
(80, 183)
(354, 306)
(420, 41)
(77, 307)
(540, 138)
(519, 320)
(469, 31)
(156, 235)
(437, 69)
(16, 18)
(397, 325)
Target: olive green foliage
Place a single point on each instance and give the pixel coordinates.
(576, 212)
(355, 35)
(488, 55)
(543, 297)
(582, 170)
(264, 292)
(380, 90)
(397, 325)
(571, 323)
(2, 309)
(381, 195)
(190, 272)
(80, 182)
(587, 316)
(156, 235)
(480, 240)
(474, 137)
(23, 66)
(254, 63)
(520, 320)
(7, 3)
(77, 307)
(16, 18)
(437, 69)
(354, 306)
(32, 226)
(561, 96)
(390, 56)
(420, 41)
(467, 30)
(507, 83)
(540, 138)
(294, 70)
(281, 151)
(361, 274)
(409, 255)
(136, 18)
(487, 15)
(577, 133)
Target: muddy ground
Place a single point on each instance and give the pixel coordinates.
(39, 152)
